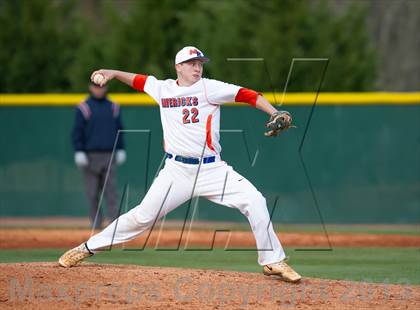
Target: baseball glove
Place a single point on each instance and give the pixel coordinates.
(279, 121)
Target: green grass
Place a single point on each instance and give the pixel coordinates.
(388, 265)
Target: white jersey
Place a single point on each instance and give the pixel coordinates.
(190, 116)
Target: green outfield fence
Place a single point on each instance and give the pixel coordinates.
(361, 152)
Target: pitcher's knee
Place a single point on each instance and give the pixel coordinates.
(257, 199)
(140, 217)
(254, 203)
(145, 219)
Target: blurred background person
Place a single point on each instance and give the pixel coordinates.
(95, 130)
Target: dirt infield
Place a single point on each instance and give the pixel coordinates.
(46, 285)
(63, 238)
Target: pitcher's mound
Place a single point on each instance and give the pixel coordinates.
(48, 286)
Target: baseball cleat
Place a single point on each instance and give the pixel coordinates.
(74, 256)
(282, 270)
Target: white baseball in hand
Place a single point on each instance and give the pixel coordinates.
(98, 79)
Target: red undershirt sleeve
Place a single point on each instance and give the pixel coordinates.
(247, 95)
(139, 81)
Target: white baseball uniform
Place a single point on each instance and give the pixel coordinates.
(190, 119)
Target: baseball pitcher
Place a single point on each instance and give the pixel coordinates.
(190, 115)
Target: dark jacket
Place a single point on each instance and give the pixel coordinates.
(96, 126)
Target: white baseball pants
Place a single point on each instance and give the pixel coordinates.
(174, 185)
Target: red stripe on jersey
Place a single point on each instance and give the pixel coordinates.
(139, 81)
(208, 133)
(115, 109)
(84, 108)
(247, 95)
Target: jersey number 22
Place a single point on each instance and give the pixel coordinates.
(194, 115)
